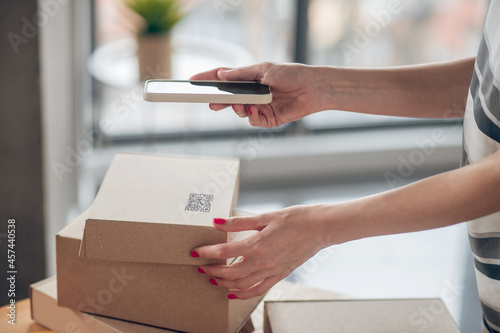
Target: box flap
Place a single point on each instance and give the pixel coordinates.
(411, 316)
(76, 229)
(156, 208)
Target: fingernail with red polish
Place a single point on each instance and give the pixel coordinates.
(233, 108)
(212, 281)
(218, 220)
(231, 296)
(249, 111)
(200, 270)
(194, 254)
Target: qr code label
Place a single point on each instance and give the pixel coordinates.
(199, 202)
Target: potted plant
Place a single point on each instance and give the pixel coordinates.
(153, 39)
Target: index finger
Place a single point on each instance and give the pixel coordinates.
(210, 75)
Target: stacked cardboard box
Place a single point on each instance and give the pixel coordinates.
(342, 316)
(127, 260)
(128, 256)
(45, 311)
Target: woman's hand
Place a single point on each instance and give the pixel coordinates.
(286, 239)
(294, 88)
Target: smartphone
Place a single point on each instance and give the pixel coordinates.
(195, 91)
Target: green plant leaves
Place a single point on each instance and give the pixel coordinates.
(160, 15)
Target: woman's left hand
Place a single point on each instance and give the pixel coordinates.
(286, 239)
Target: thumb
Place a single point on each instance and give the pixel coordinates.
(249, 73)
(208, 75)
(240, 223)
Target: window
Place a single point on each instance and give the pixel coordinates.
(212, 34)
(383, 33)
(232, 33)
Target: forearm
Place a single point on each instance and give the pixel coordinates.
(445, 199)
(426, 91)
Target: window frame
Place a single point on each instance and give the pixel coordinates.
(300, 55)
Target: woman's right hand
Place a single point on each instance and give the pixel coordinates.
(295, 90)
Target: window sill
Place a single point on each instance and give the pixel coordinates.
(269, 159)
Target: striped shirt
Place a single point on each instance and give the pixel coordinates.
(482, 138)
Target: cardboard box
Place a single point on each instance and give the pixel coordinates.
(342, 316)
(286, 290)
(162, 295)
(46, 312)
(156, 208)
